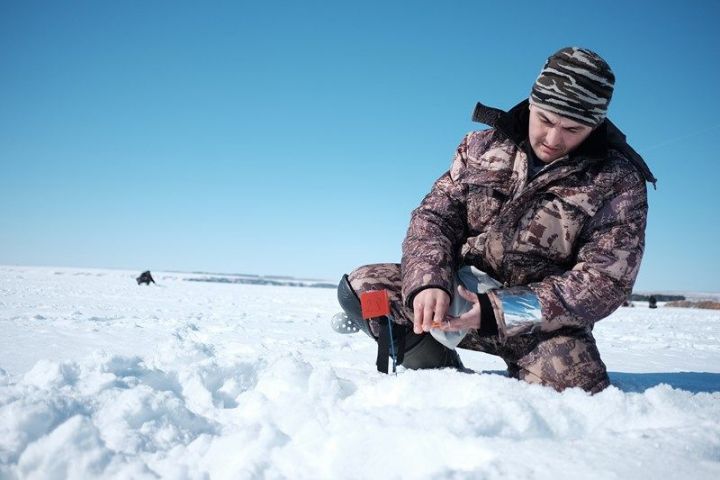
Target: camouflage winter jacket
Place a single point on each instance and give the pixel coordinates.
(566, 245)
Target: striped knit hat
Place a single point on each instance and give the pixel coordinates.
(575, 83)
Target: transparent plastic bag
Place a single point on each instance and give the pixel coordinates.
(474, 280)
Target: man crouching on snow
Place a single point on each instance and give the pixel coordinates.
(536, 232)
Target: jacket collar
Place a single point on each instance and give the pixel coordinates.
(513, 124)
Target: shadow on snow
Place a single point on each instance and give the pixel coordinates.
(694, 382)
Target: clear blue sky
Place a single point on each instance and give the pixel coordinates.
(296, 137)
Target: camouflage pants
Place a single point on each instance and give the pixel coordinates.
(562, 359)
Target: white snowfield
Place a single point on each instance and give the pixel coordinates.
(102, 378)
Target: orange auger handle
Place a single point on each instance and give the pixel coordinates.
(374, 304)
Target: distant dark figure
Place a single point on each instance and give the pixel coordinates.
(652, 301)
(145, 278)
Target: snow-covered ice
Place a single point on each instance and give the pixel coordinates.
(100, 377)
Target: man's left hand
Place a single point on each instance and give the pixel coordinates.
(466, 321)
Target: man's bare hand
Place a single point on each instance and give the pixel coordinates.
(466, 321)
(429, 307)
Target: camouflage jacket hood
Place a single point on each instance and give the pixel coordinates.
(567, 244)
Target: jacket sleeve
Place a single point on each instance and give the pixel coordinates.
(608, 260)
(437, 228)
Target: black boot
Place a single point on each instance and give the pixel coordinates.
(426, 352)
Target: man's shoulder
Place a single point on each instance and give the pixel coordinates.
(617, 173)
(486, 158)
(620, 165)
(485, 137)
(479, 142)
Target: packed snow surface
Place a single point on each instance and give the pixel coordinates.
(100, 377)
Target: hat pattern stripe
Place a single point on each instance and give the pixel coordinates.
(577, 83)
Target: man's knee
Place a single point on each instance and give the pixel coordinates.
(592, 381)
(378, 276)
(565, 362)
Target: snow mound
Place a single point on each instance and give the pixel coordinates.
(282, 416)
(199, 380)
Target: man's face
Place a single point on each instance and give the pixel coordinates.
(552, 136)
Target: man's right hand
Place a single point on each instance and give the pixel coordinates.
(429, 306)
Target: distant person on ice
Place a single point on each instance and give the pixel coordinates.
(145, 277)
(545, 213)
(652, 301)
